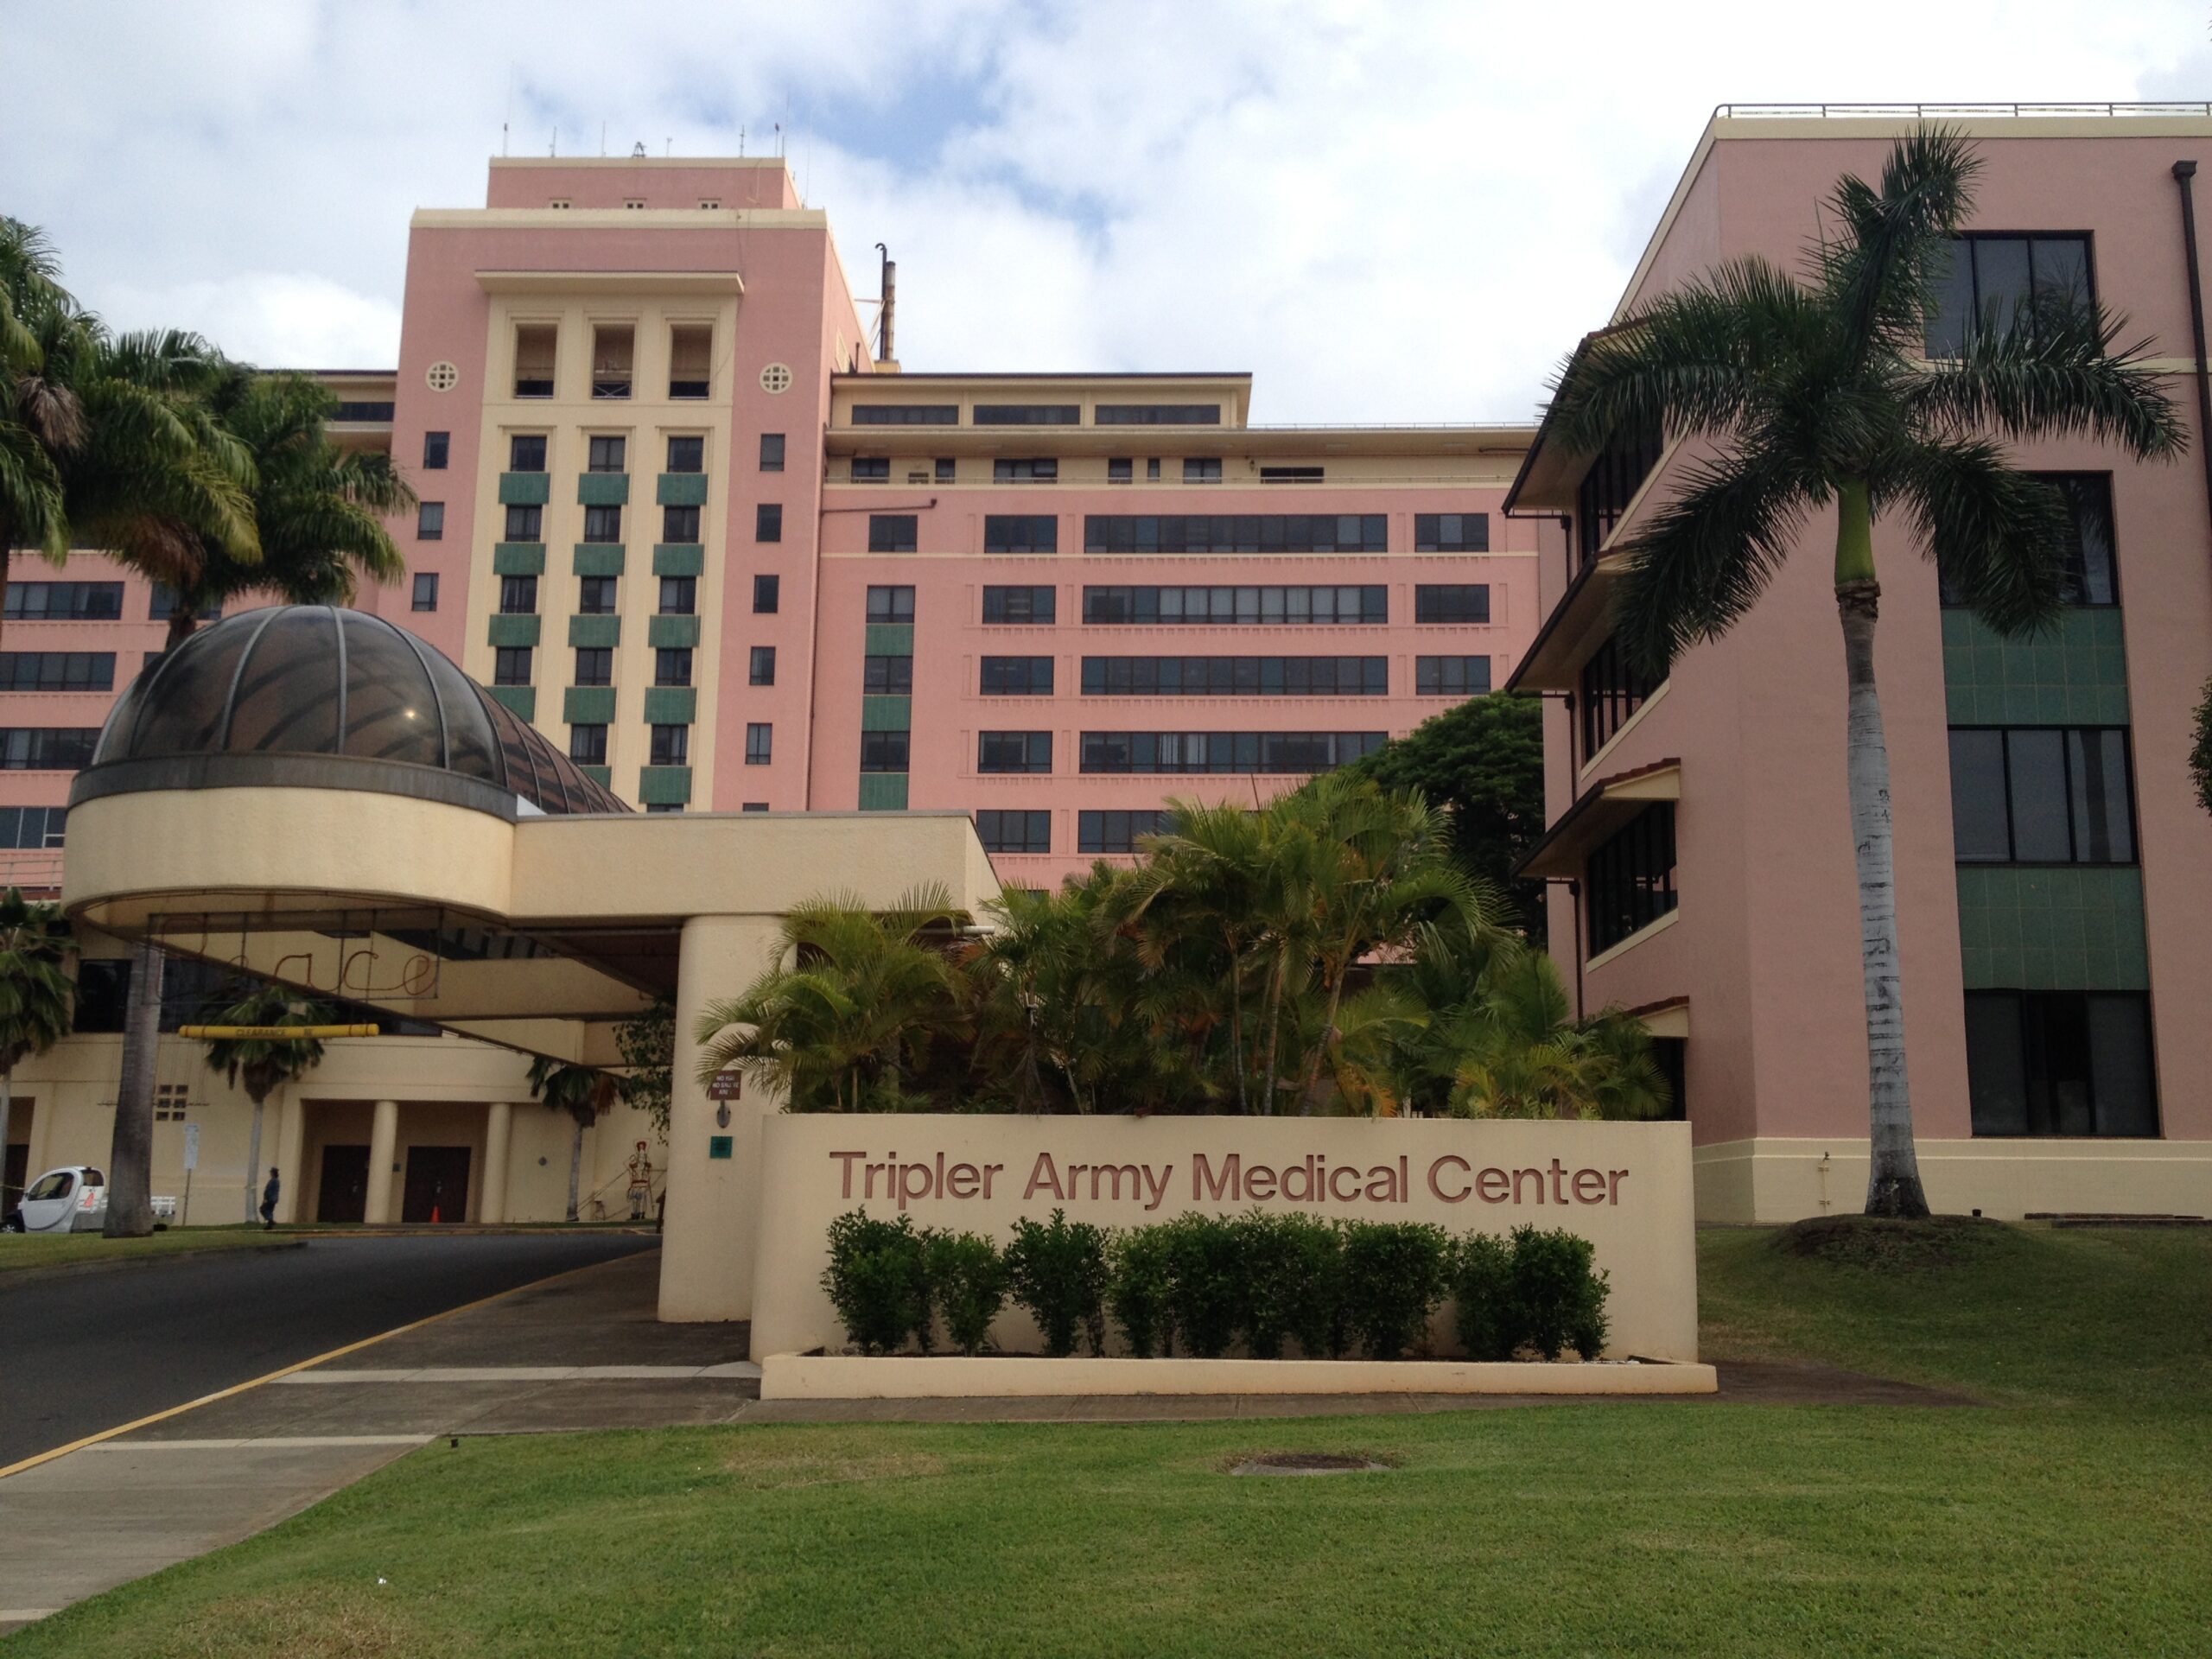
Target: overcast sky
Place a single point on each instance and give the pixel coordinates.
(1387, 212)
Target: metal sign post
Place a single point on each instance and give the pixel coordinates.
(191, 1163)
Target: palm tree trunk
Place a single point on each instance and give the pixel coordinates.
(131, 1156)
(252, 1162)
(576, 1163)
(181, 624)
(1236, 1030)
(1893, 1172)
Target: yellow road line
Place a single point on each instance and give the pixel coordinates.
(33, 1461)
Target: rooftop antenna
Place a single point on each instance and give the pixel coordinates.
(667, 147)
(889, 290)
(779, 141)
(637, 151)
(553, 147)
(508, 115)
(740, 144)
(602, 139)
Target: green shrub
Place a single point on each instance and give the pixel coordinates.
(1394, 1278)
(1141, 1291)
(1057, 1270)
(1557, 1298)
(1207, 1287)
(878, 1281)
(1483, 1303)
(1293, 1273)
(968, 1279)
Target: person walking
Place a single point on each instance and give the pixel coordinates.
(269, 1202)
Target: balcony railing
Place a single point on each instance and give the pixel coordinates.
(1943, 112)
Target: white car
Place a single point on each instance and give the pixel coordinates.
(70, 1199)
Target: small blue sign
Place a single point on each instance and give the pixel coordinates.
(718, 1145)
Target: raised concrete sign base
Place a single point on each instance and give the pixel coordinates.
(841, 1376)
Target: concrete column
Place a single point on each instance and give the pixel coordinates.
(499, 1130)
(291, 1141)
(384, 1143)
(709, 1245)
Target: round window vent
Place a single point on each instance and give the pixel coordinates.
(443, 376)
(777, 377)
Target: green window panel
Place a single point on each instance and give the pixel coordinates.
(672, 630)
(679, 559)
(890, 639)
(519, 558)
(683, 490)
(2052, 928)
(664, 786)
(603, 776)
(594, 630)
(603, 489)
(883, 791)
(671, 705)
(525, 489)
(2076, 675)
(598, 559)
(589, 705)
(521, 701)
(887, 713)
(515, 630)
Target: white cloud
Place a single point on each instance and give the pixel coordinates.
(1387, 212)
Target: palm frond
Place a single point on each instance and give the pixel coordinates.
(1878, 281)
(2052, 372)
(1999, 537)
(1706, 556)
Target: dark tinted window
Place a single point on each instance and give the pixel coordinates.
(430, 521)
(1460, 603)
(669, 745)
(772, 452)
(2042, 795)
(1236, 677)
(1117, 831)
(1003, 831)
(763, 668)
(2091, 577)
(594, 665)
(1018, 605)
(2042, 1063)
(1156, 415)
(887, 676)
(893, 532)
(526, 453)
(1451, 677)
(769, 522)
(1014, 752)
(435, 447)
(1020, 533)
(1630, 876)
(602, 523)
(1451, 532)
(1032, 469)
(64, 602)
(47, 748)
(426, 591)
(510, 666)
(906, 414)
(1027, 415)
(687, 454)
(1288, 753)
(57, 670)
(607, 454)
(1016, 677)
(1221, 606)
(765, 591)
(525, 524)
(1999, 281)
(681, 525)
(871, 469)
(595, 595)
(587, 745)
(759, 744)
(884, 751)
(672, 665)
(891, 604)
(1613, 687)
(679, 595)
(1236, 533)
(518, 595)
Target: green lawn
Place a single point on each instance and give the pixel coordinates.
(2068, 1518)
(19, 1250)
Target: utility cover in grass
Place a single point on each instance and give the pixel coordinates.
(1306, 1463)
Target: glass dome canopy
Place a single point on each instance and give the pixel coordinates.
(323, 680)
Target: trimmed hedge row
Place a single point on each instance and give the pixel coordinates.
(1206, 1282)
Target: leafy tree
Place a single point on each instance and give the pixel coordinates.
(37, 999)
(1816, 393)
(648, 1045)
(581, 1091)
(261, 1065)
(2200, 756)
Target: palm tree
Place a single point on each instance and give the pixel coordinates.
(1818, 392)
(264, 1064)
(37, 999)
(582, 1092)
(1515, 1050)
(40, 417)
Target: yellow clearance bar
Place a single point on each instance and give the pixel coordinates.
(272, 1033)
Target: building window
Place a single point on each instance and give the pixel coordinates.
(679, 525)
(1152, 469)
(1224, 606)
(1236, 533)
(690, 353)
(510, 666)
(1026, 469)
(946, 470)
(426, 590)
(1017, 676)
(1120, 470)
(518, 595)
(526, 453)
(1451, 532)
(1613, 687)
(1005, 831)
(1020, 605)
(171, 1102)
(1117, 831)
(47, 748)
(2042, 795)
(1236, 677)
(772, 452)
(1020, 533)
(430, 521)
(664, 806)
(1156, 415)
(1451, 677)
(765, 595)
(613, 349)
(534, 356)
(1997, 282)
(2060, 1063)
(753, 806)
(893, 532)
(587, 745)
(1630, 879)
(607, 453)
(891, 604)
(871, 469)
(769, 522)
(57, 670)
(435, 447)
(1285, 753)
(672, 665)
(34, 826)
(525, 524)
(679, 595)
(760, 743)
(764, 665)
(595, 595)
(1202, 469)
(885, 751)
(2090, 575)
(669, 746)
(905, 415)
(887, 676)
(1462, 602)
(594, 665)
(1026, 415)
(64, 602)
(1292, 475)
(1610, 484)
(603, 524)
(687, 454)
(1014, 752)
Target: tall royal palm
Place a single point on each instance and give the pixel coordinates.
(1818, 392)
